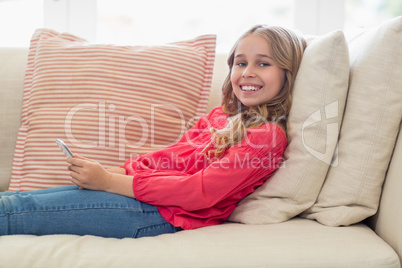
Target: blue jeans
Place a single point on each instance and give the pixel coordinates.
(67, 210)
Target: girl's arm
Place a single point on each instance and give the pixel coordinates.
(117, 170)
(89, 174)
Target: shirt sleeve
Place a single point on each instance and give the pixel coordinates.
(231, 178)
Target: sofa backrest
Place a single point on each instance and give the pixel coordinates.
(12, 71)
(220, 72)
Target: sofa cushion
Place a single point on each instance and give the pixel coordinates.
(296, 243)
(318, 102)
(352, 189)
(106, 102)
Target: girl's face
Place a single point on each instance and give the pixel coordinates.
(255, 77)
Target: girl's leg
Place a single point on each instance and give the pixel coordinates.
(44, 191)
(67, 210)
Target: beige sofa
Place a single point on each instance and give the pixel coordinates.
(297, 242)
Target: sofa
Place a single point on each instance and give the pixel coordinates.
(337, 207)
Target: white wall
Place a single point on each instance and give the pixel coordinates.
(318, 16)
(73, 16)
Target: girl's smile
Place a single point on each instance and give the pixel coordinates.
(255, 77)
(250, 87)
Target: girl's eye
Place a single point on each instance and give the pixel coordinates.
(265, 64)
(241, 64)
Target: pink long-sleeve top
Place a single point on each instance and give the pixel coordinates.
(191, 190)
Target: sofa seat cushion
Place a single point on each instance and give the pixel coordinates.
(295, 243)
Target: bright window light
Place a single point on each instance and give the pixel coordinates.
(150, 22)
(18, 21)
(135, 22)
(363, 14)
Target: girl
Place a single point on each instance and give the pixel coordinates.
(193, 183)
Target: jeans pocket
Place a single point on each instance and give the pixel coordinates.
(154, 230)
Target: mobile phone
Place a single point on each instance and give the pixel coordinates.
(64, 148)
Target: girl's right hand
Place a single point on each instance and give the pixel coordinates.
(89, 174)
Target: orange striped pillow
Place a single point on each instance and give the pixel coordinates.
(106, 102)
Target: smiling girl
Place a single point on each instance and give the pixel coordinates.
(193, 183)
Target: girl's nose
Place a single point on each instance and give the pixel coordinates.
(248, 72)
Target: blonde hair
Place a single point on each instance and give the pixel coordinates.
(287, 51)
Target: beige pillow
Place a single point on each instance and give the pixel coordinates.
(373, 114)
(107, 102)
(314, 121)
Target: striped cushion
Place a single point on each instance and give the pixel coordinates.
(106, 102)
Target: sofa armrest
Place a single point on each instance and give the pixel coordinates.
(388, 220)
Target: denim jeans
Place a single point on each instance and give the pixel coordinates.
(67, 210)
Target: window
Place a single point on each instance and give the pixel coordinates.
(361, 14)
(365, 13)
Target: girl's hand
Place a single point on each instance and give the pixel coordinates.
(89, 174)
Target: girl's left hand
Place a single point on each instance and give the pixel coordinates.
(88, 173)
